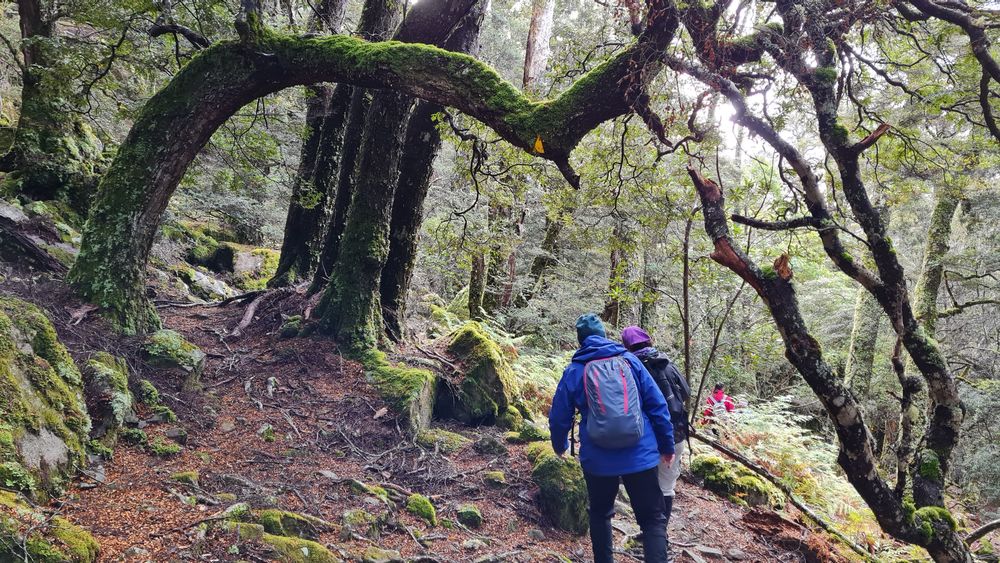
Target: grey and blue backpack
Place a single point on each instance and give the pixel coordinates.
(615, 418)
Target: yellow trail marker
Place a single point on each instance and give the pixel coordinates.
(539, 147)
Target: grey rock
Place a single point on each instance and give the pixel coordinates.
(177, 434)
(227, 426)
(736, 554)
(710, 551)
(43, 448)
(536, 535)
(473, 544)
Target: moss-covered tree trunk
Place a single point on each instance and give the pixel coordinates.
(334, 133)
(351, 305)
(54, 152)
(326, 107)
(422, 142)
(946, 200)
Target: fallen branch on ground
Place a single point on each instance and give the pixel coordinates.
(810, 513)
(248, 315)
(981, 532)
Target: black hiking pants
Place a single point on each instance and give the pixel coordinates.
(647, 503)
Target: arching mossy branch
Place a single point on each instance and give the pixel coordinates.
(176, 123)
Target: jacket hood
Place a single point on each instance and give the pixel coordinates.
(596, 347)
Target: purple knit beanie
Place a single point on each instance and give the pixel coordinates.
(634, 338)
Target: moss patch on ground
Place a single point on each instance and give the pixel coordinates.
(55, 540)
(443, 440)
(421, 506)
(736, 482)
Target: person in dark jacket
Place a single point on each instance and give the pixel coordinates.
(676, 391)
(604, 468)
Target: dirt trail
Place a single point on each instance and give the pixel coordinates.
(329, 427)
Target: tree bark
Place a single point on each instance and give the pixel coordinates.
(421, 145)
(351, 305)
(619, 304)
(864, 336)
(946, 200)
(176, 123)
(536, 53)
(54, 152)
(477, 286)
(308, 209)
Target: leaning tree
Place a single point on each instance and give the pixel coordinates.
(730, 50)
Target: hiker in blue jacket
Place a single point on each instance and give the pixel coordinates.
(625, 431)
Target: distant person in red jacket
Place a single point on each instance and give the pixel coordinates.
(718, 403)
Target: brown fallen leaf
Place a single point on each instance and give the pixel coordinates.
(380, 413)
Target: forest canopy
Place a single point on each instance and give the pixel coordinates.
(795, 197)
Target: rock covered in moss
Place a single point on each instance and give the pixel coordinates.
(488, 388)
(167, 349)
(529, 433)
(286, 523)
(374, 554)
(409, 391)
(469, 515)
(735, 482)
(495, 478)
(421, 507)
(490, 446)
(109, 400)
(291, 327)
(186, 477)
(562, 491)
(204, 286)
(49, 540)
(288, 549)
(443, 440)
(44, 426)
(358, 521)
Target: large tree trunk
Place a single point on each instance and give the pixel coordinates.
(326, 108)
(619, 303)
(946, 200)
(54, 151)
(351, 305)
(864, 336)
(421, 145)
(536, 53)
(177, 122)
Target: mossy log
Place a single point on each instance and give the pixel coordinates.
(175, 124)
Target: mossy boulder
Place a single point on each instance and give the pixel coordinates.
(29, 535)
(288, 549)
(409, 391)
(374, 554)
(421, 507)
(166, 349)
(204, 286)
(358, 521)
(529, 433)
(489, 387)
(495, 478)
(735, 482)
(109, 400)
(253, 267)
(470, 516)
(285, 523)
(443, 440)
(562, 491)
(44, 425)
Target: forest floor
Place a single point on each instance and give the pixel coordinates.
(330, 426)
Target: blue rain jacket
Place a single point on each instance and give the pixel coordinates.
(657, 436)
